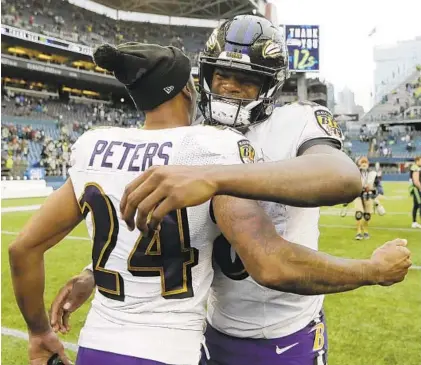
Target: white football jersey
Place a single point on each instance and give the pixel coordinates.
(151, 291)
(237, 305)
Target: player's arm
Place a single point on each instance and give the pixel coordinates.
(322, 175)
(57, 217)
(281, 265)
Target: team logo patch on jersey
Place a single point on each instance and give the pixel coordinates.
(328, 123)
(247, 152)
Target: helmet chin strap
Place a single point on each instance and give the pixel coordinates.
(225, 113)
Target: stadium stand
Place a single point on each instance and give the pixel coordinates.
(397, 141)
(39, 133)
(41, 120)
(66, 21)
(403, 103)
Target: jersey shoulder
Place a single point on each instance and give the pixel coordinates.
(321, 118)
(84, 144)
(215, 138)
(307, 118)
(78, 149)
(300, 113)
(212, 141)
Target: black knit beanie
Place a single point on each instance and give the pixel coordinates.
(151, 73)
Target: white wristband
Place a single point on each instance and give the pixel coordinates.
(89, 267)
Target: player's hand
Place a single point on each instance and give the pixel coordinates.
(391, 262)
(43, 346)
(70, 297)
(167, 188)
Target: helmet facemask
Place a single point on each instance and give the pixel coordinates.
(237, 112)
(255, 47)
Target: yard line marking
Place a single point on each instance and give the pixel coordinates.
(24, 336)
(25, 208)
(395, 197)
(371, 227)
(351, 212)
(328, 211)
(65, 238)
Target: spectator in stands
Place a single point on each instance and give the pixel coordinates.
(9, 165)
(410, 147)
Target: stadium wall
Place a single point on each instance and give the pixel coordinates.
(395, 177)
(11, 189)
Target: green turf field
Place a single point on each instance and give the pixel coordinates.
(369, 326)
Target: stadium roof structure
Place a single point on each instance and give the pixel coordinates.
(203, 9)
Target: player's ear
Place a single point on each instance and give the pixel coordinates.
(186, 92)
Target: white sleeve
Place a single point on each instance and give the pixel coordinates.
(320, 128)
(77, 152)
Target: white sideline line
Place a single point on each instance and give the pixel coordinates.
(10, 233)
(372, 227)
(65, 238)
(25, 208)
(413, 267)
(351, 212)
(24, 336)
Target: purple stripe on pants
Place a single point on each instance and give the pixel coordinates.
(305, 347)
(87, 356)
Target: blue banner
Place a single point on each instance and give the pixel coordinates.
(303, 47)
(35, 173)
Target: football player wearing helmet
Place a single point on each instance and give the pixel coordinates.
(364, 204)
(242, 71)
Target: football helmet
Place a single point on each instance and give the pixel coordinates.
(252, 45)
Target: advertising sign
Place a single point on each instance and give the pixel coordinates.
(303, 47)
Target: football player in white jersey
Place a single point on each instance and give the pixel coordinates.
(250, 324)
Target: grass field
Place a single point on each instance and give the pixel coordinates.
(369, 326)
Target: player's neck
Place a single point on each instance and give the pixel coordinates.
(165, 118)
(165, 121)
